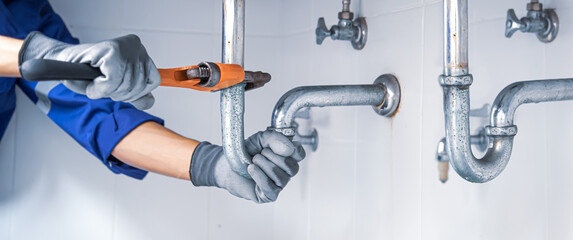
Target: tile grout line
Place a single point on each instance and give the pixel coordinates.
(309, 171)
(423, 38)
(399, 10)
(546, 152)
(355, 163)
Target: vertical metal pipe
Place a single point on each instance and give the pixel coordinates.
(455, 37)
(233, 98)
(233, 31)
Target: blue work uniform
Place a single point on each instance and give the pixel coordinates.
(97, 125)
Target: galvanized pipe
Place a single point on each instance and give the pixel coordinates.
(456, 81)
(322, 96)
(456, 107)
(233, 98)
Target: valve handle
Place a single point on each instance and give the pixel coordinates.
(512, 23)
(322, 31)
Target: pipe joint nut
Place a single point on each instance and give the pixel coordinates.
(458, 81)
(508, 131)
(288, 131)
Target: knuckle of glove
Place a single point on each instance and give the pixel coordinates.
(253, 144)
(279, 143)
(272, 170)
(299, 153)
(262, 181)
(287, 164)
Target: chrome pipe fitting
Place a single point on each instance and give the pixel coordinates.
(543, 22)
(348, 30)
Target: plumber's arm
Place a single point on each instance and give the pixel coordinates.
(9, 48)
(155, 148)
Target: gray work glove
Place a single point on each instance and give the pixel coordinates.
(275, 161)
(129, 74)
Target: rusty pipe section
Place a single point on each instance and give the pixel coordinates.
(233, 98)
(456, 81)
(383, 96)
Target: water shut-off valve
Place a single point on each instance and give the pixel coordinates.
(347, 29)
(544, 23)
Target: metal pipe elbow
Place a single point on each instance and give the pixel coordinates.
(383, 95)
(462, 159)
(515, 94)
(481, 170)
(287, 106)
(505, 105)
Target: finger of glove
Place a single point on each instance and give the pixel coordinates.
(144, 103)
(286, 164)
(267, 187)
(299, 152)
(274, 172)
(113, 72)
(277, 142)
(132, 84)
(148, 83)
(260, 196)
(118, 60)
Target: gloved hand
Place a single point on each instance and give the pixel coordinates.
(275, 161)
(129, 74)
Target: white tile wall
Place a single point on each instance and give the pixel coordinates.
(371, 178)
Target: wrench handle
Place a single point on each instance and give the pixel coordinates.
(46, 70)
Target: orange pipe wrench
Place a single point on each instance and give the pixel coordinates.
(208, 76)
(205, 76)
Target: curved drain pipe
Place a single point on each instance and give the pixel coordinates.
(383, 96)
(456, 81)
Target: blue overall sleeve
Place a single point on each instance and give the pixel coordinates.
(97, 125)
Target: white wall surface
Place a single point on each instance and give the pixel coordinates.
(371, 178)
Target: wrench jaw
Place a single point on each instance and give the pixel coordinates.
(256, 80)
(210, 77)
(208, 72)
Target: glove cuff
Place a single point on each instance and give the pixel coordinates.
(22, 56)
(22, 52)
(203, 162)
